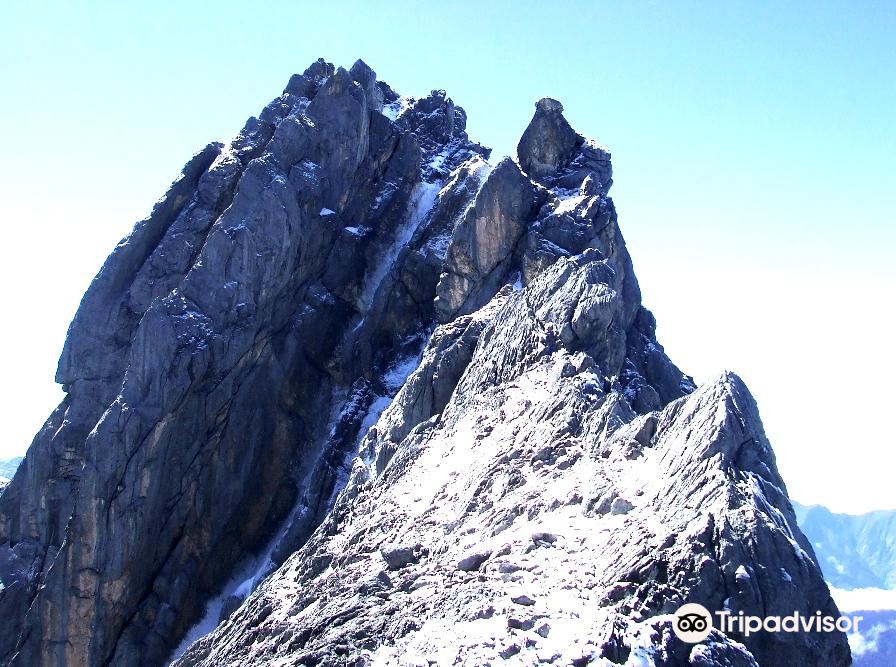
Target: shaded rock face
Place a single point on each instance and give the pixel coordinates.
(409, 404)
(483, 240)
(204, 366)
(549, 142)
(551, 152)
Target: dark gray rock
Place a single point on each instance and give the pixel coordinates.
(366, 78)
(399, 557)
(549, 142)
(552, 153)
(473, 561)
(441, 127)
(231, 604)
(216, 341)
(484, 239)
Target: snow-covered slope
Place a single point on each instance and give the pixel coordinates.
(486, 535)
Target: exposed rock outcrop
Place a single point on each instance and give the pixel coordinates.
(549, 142)
(412, 401)
(204, 365)
(483, 240)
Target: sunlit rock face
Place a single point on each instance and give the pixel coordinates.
(353, 395)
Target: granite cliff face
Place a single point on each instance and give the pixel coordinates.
(352, 395)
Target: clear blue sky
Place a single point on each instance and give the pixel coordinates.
(753, 146)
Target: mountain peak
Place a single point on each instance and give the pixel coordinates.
(554, 154)
(415, 407)
(319, 69)
(549, 105)
(549, 142)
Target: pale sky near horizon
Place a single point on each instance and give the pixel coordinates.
(754, 152)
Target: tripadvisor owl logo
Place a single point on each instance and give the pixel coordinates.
(692, 623)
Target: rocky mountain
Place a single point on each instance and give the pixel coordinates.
(353, 395)
(854, 551)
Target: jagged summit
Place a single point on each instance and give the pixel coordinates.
(352, 395)
(548, 142)
(553, 153)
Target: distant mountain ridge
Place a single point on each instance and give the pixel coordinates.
(854, 551)
(8, 467)
(874, 644)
